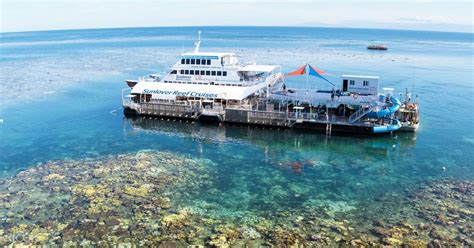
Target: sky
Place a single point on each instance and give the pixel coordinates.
(434, 15)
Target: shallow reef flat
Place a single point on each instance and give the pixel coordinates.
(151, 198)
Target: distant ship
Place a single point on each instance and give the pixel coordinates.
(377, 47)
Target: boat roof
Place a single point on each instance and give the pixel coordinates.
(359, 76)
(208, 54)
(259, 68)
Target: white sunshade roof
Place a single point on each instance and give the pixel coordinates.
(259, 68)
(359, 76)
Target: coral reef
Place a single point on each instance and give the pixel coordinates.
(149, 198)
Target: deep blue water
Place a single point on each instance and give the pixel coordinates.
(60, 96)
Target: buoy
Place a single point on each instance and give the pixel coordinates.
(444, 168)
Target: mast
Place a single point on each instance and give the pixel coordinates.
(197, 43)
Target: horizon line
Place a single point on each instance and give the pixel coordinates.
(261, 26)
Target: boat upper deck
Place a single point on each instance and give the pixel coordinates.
(316, 98)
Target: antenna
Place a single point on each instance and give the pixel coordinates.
(197, 43)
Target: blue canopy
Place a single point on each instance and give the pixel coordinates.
(314, 72)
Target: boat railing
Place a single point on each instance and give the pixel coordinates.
(127, 98)
(169, 102)
(165, 109)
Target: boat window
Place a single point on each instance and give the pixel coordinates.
(198, 61)
(173, 72)
(186, 72)
(351, 82)
(213, 73)
(219, 73)
(182, 61)
(182, 72)
(366, 83)
(193, 61)
(208, 73)
(224, 73)
(202, 73)
(208, 62)
(192, 72)
(187, 61)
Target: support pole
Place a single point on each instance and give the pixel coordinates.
(307, 77)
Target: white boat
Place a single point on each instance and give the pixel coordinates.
(207, 81)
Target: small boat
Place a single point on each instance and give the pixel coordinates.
(377, 47)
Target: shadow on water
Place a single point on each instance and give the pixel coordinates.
(300, 139)
(257, 169)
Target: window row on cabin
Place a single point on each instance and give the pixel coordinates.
(202, 73)
(365, 83)
(196, 61)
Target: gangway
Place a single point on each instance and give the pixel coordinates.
(360, 113)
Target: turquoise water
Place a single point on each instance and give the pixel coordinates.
(60, 93)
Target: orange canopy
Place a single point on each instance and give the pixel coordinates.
(299, 71)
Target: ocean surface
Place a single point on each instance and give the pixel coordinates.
(60, 96)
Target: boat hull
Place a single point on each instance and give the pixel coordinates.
(330, 128)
